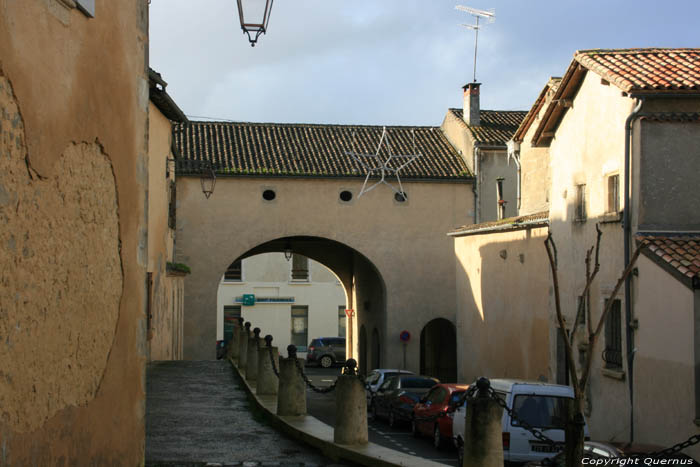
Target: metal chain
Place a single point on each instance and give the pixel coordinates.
(272, 362)
(323, 390)
(675, 449)
(523, 424)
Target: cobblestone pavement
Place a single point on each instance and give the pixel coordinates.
(198, 414)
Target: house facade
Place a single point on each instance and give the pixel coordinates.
(295, 187)
(613, 145)
(73, 243)
(295, 300)
(164, 281)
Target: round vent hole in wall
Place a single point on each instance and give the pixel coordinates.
(269, 195)
(345, 196)
(400, 197)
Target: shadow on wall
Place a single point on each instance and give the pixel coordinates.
(503, 289)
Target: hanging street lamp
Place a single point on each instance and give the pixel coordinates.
(207, 178)
(254, 16)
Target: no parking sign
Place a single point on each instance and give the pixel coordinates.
(405, 336)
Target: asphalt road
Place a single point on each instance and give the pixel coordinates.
(322, 406)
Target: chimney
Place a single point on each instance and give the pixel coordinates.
(470, 109)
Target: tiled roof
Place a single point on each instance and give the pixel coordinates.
(497, 126)
(645, 70)
(538, 219)
(549, 89)
(279, 149)
(678, 254)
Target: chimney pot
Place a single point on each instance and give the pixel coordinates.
(471, 109)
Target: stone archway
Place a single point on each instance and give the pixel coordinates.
(363, 350)
(438, 350)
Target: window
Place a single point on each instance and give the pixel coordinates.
(613, 206)
(231, 315)
(501, 205)
(172, 208)
(234, 273)
(562, 362)
(300, 268)
(342, 320)
(300, 327)
(612, 355)
(540, 411)
(580, 215)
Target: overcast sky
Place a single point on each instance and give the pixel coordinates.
(389, 62)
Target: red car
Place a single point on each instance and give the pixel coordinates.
(439, 401)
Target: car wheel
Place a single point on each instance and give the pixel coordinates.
(326, 361)
(392, 419)
(437, 437)
(414, 429)
(460, 452)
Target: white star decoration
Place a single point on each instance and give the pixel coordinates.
(381, 166)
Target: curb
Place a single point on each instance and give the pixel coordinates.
(315, 433)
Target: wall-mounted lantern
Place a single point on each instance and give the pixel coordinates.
(288, 250)
(207, 178)
(254, 16)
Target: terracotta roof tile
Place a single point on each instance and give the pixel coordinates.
(678, 253)
(279, 149)
(497, 126)
(645, 70)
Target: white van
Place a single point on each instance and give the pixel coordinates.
(541, 405)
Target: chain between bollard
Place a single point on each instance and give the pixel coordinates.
(675, 449)
(308, 382)
(268, 341)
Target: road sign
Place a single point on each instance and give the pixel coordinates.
(350, 313)
(248, 299)
(405, 336)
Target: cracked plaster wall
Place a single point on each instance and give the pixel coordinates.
(61, 279)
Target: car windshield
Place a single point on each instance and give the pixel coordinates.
(540, 411)
(414, 382)
(455, 397)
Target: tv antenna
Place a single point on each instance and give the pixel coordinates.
(490, 15)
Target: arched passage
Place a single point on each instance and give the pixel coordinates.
(363, 350)
(438, 350)
(360, 280)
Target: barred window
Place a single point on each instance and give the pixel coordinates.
(612, 355)
(581, 214)
(234, 273)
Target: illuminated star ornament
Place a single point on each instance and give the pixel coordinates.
(381, 167)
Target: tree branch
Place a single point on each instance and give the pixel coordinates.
(592, 338)
(551, 250)
(590, 276)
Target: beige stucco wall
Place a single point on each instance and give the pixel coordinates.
(588, 146)
(269, 275)
(503, 285)
(405, 243)
(166, 301)
(664, 406)
(72, 203)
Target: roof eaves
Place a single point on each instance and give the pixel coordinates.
(540, 219)
(690, 282)
(568, 87)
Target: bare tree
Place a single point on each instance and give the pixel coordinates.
(575, 425)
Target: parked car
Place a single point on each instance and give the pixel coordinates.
(605, 450)
(375, 379)
(439, 402)
(325, 351)
(396, 397)
(541, 405)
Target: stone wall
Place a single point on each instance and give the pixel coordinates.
(73, 110)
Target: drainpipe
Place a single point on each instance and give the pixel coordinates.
(626, 223)
(475, 186)
(514, 153)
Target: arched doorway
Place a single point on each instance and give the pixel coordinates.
(363, 350)
(438, 350)
(376, 350)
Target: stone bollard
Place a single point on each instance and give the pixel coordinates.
(291, 399)
(234, 345)
(267, 379)
(251, 368)
(483, 439)
(243, 349)
(350, 407)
